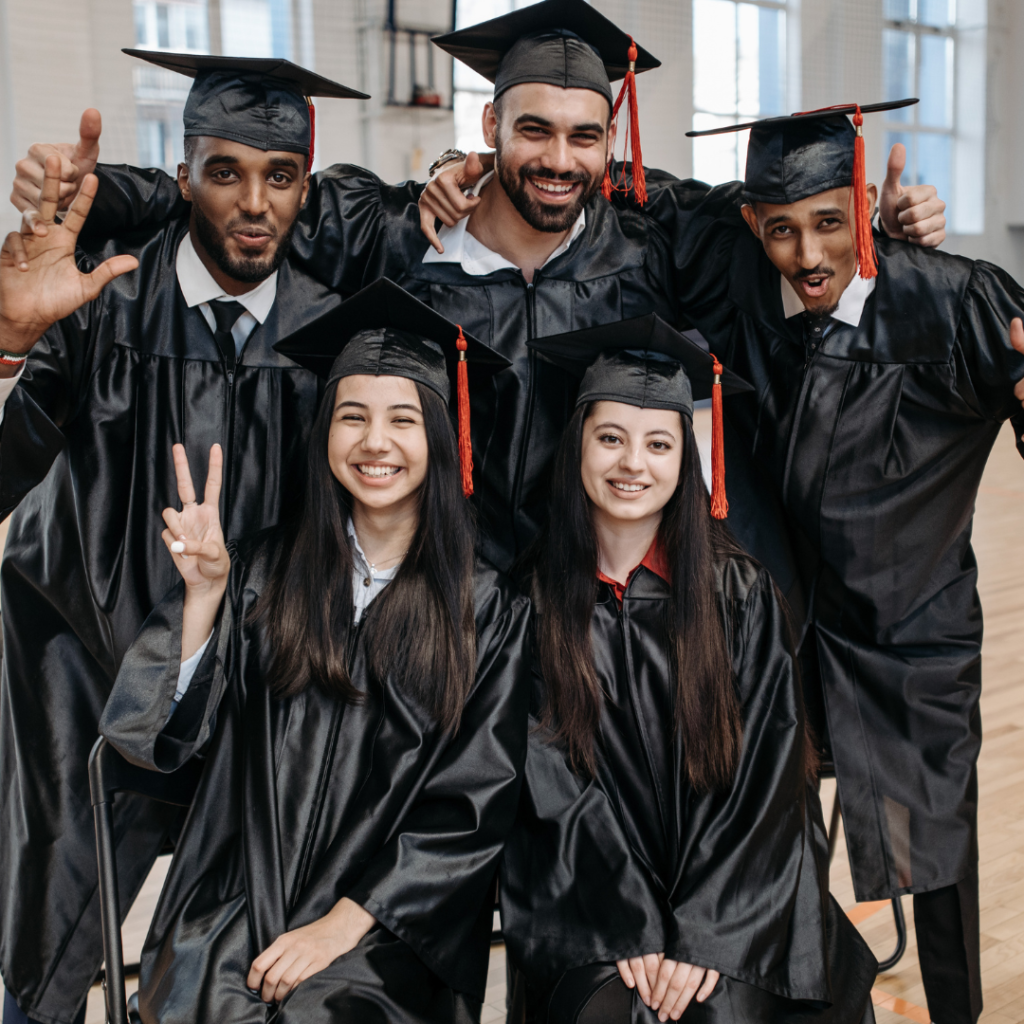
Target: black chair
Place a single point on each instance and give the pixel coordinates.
(828, 771)
(109, 774)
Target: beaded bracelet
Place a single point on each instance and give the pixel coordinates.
(12, 358)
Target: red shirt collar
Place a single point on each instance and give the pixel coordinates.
(654, 560)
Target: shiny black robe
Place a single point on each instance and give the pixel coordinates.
(305, 800)
(634, 861)
(355, 229)
(853, 469)
(85, 463)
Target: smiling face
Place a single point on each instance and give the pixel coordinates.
(812, 243)
(630, 459)
(377, 446)
(244, 205)
(551, 148)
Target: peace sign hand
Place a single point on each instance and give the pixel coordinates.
(40, 282)
(193, 535)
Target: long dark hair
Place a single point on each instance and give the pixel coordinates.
(423, 630)
(565, 587)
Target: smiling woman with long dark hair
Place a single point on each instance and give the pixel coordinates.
(358, 685)
(667, 853)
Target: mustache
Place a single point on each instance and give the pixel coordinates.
(244, 221)
(536, 170)
(816, 272)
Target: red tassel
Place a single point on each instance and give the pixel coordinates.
(631, 143)
(312, 132)
(861, 207)
(465, 439)
(719, 504)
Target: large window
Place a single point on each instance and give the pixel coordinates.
(472, 91)
(179, 26)
(934, 49)
(740, 73)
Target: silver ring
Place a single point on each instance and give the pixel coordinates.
(187, 503)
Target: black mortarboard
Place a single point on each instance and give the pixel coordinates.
(384, 331)
(261, 102)
(791, 158)
(559, 42)
(648, 363)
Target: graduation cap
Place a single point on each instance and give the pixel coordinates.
(791, 158)
(384, 331)
(647, 363)
(263, 102)
(559, 42)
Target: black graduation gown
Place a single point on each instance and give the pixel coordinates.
(305, 800)
(355, 229)
(85, 462)
(634, 861)
(870, 447)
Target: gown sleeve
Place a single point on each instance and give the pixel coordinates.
(353, 228)
(432, 883)
(747, 899)
(695, 227)
(46, 398)
(987, 364)
(142, 718)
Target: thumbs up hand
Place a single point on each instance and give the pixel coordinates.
(76, 161)
(913, 213)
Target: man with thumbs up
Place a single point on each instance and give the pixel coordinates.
(882, 374)
(169, 338)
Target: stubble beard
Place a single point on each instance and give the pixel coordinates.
(540, 216)
(244, 269)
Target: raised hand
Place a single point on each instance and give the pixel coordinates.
(194, 536)
(40, 282)
(196, 543)
(77, 159)
(444, 199)
(913, 213)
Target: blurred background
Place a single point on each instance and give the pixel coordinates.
(723, 61)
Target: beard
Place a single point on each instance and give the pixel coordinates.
(246, 269)
(539, 215)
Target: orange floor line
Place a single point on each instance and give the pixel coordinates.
(900, 1006)
(862, 911)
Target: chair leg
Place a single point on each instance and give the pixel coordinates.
(901, 937)
(110, 916)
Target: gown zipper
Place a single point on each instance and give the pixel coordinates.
(517, 483)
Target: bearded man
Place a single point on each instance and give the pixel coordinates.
(97, 384)
(542, 253)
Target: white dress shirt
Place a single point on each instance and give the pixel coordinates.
(362, 594)
(200, 289)
(476, 259)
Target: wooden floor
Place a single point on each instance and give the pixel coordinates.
(899, 996)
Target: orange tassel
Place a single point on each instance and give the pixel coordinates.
(719, 504)
(861, 207)
(465, 439)
(312, 132)
(631, 143)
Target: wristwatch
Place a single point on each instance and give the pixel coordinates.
(447, 157)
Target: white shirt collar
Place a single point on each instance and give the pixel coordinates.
(851, 302)
(476, 259)
(198, 286)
